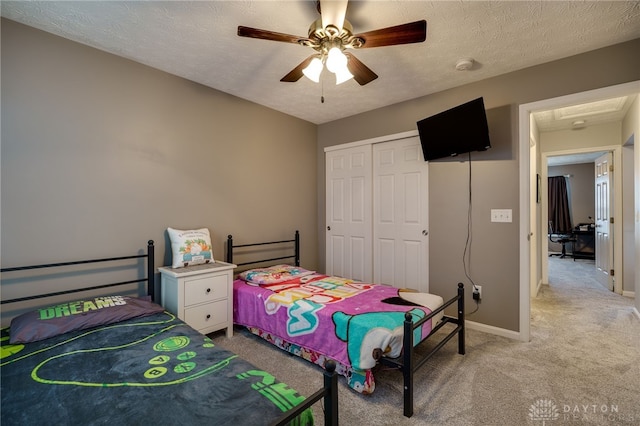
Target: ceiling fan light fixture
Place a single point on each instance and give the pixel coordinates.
(313, 70)
(332, 31)
(337, 64)
(343, 75)
(336, 60)
(330, 36)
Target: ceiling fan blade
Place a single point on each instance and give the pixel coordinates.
(413, 32)
(268, 35)
(333, 13)
(361, 73)
(296, 73)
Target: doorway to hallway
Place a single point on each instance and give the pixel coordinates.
(533, 251)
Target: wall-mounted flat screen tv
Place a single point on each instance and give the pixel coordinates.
(455, 131)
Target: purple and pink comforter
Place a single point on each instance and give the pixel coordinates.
(322, 317)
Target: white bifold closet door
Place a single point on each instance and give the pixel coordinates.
(377, 213)
(348, 214)
(400, 215)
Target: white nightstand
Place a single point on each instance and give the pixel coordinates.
(201, 295)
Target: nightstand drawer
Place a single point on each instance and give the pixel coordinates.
(200, 295)
(200, 290)
(205, 316)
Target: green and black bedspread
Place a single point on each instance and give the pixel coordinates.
(148, 370)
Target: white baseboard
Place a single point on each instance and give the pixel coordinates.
(493, 330)
(510, 334)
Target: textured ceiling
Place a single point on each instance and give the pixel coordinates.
(561, 160)
(198, 41)
(577, 117)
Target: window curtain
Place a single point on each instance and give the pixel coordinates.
(559, 212)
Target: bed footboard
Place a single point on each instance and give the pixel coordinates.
(408, 363)
(330, 395)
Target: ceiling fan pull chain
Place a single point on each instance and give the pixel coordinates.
(322, 92)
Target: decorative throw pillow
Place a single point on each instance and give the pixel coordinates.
(191, 247)
(273, 274)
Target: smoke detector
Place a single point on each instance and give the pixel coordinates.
(464, 64)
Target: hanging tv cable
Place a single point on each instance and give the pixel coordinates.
(466, 257)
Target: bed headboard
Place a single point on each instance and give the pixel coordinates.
(149, 279)
(268, 246)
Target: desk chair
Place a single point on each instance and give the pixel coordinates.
(559, 238)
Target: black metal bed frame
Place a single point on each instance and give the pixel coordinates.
(329, 392)
(408, 362)
(295, 256)
(149, 279)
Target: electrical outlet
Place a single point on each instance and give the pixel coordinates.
(477, 292)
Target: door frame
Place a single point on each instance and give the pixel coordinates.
(616, 151)
(525, 177)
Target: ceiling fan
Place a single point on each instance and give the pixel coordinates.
(331, 35)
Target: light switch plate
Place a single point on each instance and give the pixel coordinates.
(501, 215)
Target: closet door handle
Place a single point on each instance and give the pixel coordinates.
(328, 228)
(425, 232)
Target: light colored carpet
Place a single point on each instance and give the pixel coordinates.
(582, 366)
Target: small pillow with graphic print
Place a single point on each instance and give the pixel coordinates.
(273, 274)
(190, 247)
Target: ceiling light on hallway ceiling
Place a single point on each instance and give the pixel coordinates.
(464, 64)
(578, 124)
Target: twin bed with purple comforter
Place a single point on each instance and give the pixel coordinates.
(359, 325)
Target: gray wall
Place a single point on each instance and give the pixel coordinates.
(495, 250)
(101, 154)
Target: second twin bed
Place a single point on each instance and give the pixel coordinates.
(321, 318)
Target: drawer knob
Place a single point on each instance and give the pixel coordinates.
(208, 316)
(208, 290)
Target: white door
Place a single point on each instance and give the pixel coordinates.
(348, 214)
(400, 215)
(603, 201)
